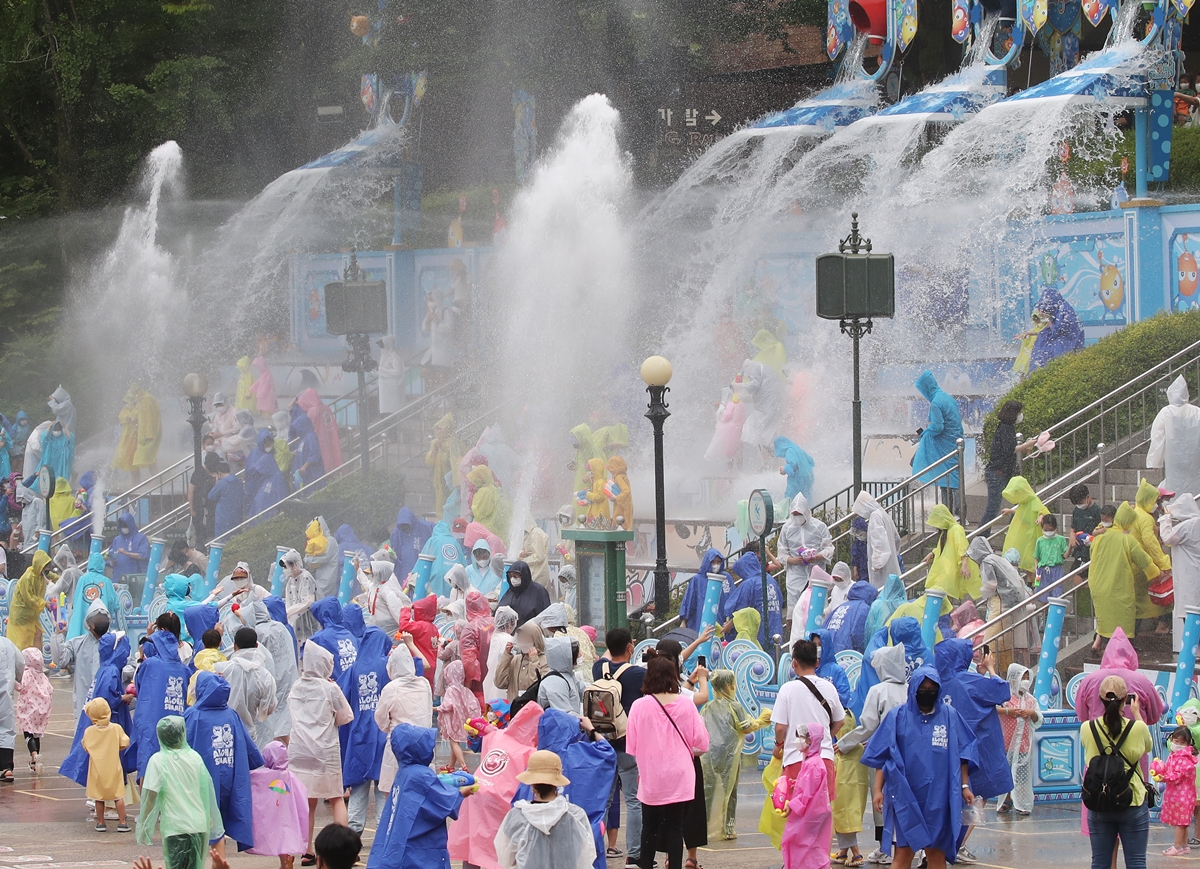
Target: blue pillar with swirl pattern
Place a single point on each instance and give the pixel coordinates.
(157, 544)
(934, 598)
(1184, 670)
(818, 597)
(1051, 640)
(44, 540)
(708, 614)
(277, 571)
(214, 567)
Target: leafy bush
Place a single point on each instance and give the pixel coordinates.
(1072, 382)
(367, 503)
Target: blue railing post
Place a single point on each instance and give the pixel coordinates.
(44, 541)
(348, 574)
(157, 544)
(1186, 668)
(708, 615)
(816, 605)
(422, 571)
(277, 571)
(214, 567)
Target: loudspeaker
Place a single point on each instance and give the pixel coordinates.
(356, 307)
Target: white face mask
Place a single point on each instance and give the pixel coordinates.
(1020, 417)
(1049, 533)
(1023, 686)
(460, 537)
(1176, 746)
(1106, 525)
(483, 562)
(515, 581)
(798, 518)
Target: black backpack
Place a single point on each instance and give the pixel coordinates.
(530, 694)
(1106, 783)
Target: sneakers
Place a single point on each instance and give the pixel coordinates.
(1177, 852)
(965, 856)
(124, 828)
(1022, 813)
(879, 857)
(920, 861)
(101, 828)
(1194, 842)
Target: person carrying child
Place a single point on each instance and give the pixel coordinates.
(547, 832)
(808, 829)
(103, 741)
(1179, 797)
(35, 696)
(178, 796)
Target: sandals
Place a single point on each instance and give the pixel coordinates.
(308, 860)
(7, 776)
(689, 863)
(614, 852)
(838, 858)
(857, 860)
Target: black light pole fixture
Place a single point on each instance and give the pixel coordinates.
(854, 286)
(656, 372)
(195, 387)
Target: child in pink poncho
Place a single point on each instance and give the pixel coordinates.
(459, 705)
(280, 803)
(35, 697)
(809, 827)
(1179, 797)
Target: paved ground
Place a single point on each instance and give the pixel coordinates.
(42, 826)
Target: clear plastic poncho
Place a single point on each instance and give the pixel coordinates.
(727, 724)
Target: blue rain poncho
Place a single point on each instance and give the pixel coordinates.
(161, 683)
(798, 465)
(308, 452)
(90, 587)
(114, 654)
(352, 620)
(697, 589)
(748, 593)
(976, 697)
(885, 604)
(58, 452)
(906, 630)
(484, 579)
(446, 552)
(847, 622)
(589, 765)
(829, 668)
(921, 757)
(941, 434)
(333, 636)
(133, 541)
(217, 734)
(177, 587)
(265, 483)
(362, 742)
(412, 831)
(408, 539)
(199, 617)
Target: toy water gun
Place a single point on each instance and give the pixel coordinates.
(475, 729)
(581, 498)
(459, 778)
(809, 555)
(612, 491)
(62, 611)
(1157, 769)
(779, 796)
(1082, 538)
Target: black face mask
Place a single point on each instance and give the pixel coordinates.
(927, 698)
(100, 625)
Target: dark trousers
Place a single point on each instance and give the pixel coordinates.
(662, 830)
(995, 486)
(33, 743)
(6, 759)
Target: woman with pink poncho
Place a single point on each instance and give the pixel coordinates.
(280, 807)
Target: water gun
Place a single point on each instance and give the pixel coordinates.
(1157, 769)
(581, 498)
(779, 796)
(475, 729)
(1082, 538)
(459, 779)
(809, 555)
(612, 491)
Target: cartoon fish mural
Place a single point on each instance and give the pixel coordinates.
(1188, 271)
(1049, 269)
(908, 24)
(960, 26)
(1112, 286)
(1094, 10)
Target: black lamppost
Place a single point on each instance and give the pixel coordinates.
(195, 387)
(656, 372)
(358, 356)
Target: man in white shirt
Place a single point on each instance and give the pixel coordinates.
(806, 699)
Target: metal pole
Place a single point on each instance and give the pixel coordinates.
(762, 562)
(196, 418)
(363, 437)
(1100, 448)
(657, 414)
(961, 447)
(856, 328)
(1141, 146)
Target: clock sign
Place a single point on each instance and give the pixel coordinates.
(762, 512)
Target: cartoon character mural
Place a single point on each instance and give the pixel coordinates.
(1112, 287)
(1033, 14)
(1185, 279)
(841, 29)
(1086, 275)
(1059, 40)
(906, 22)
(960, 21)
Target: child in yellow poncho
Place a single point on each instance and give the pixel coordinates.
(594, 495)
(1025, 528)
(852, 788)
(949, 567)
(1145, 531)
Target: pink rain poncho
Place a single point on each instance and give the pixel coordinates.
(35, 695)
(458, 704)
(280, 805)
(809, 826)
(505, 754)
(325, 427)
(263, 389)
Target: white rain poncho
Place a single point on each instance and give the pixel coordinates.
(318, 709)
(12, 668)
(1175, 440)
(178, 796)
(299, 594)
(762, 390)
(386, 598)
(727, 724)
(275, 638)
(883, 540)
(1018, 737)
(1179, 528)
(506, 625)
(1001, 589)
(802, 531)
(405, 699)
(555, 834)
(81, 654)
(251, 677)
(326, 567)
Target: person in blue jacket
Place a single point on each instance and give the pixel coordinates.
(748, 593)
(228, 499)
(797, 466)
(265, 483)
(362, 741)
(412, 832)
(906, 630)
(218, 735)
(892, 597)
(690, 614)
(922, 752)
(848, 620)
(114, 655)
(588, 761)
(828, 667)
(306, 455)
(408, 539)
(447, 551)
(129, 550)
(940, 437)
(353, 621)
(333, 636)
(90, 587)
(161, 682)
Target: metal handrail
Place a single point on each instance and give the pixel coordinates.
(1038, 609)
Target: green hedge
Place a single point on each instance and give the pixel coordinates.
(1072, 382)
(368, 503)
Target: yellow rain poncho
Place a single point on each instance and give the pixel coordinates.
(916, 609)
(26, 602)
(946, 570)
(770, 352)
(490, 507)
(853, 785)
(746, 622)
(1117, 558)
(443, 457)
(1145, 532)
(586, 449)
(1023, 530)
(727, 724)
(623, 502)
(205, 659)
(62, 503)
(127, 444)
(597, 500)
(149, 430)
(317, 541)
(244, 400)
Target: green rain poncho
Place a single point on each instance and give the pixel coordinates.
(746, 622)
(1116, 558)
(490, 507)
(1023, 530)
(946, 570)
(585, 450)
(178, 796)
(727, 724)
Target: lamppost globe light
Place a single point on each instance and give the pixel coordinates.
(195, 385)
(656, 371)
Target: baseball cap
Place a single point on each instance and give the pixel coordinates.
(1114, 687)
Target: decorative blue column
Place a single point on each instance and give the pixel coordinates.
(708, 614)
(1141, 145)
(1051, 640)
(818, 597)
(934, 598)
(1186, 668)
(422, 571)
(348, 574)
(156, 550)
(97, 545)
(277, 571)
(44, 541)
(214, 567)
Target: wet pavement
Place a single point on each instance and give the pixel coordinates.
(44, 824)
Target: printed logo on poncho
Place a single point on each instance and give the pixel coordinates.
(173, 698)
(347, 654)
(450, 552)
(941, 738)
(222, 745)
(839, 616)
(494, 762)
(91, 592)
(368, 692)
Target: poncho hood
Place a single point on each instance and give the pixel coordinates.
(1177, 392)
(927, 385)
(200, 618)
(64, 558)
(940, 517)
(212, 692)
(1018, 491)
(979, 549)
(1125, 516)
(165, 644)
(748, 566)
(98, 711)
(865, 505)
(176, 586)
(558, 654)
(126, 519)
(746, 622)
(543, 816)
(816, 734)
(95, 563)
(553, 616)
(863, 591)
(317, 662)
(425, 609)
(925, 671)
(413, 745)
(1183, 507)
(477, 605)
(799, 507)
(375, 644)
(953, 657)
(275, 755)
(708, 562)
(889, 664)
(352, 619)
(400, 663)
(1119, 654)
(328, 612)
(1147, 495)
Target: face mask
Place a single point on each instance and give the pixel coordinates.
(100, 625)
(860, 535)
(460, 537)
(482, 562)
(522, 648)
(1176, 746)
(515, 581)
(1048, 534)
(210, 449)
(1106, 524)
(798, 518)
(926, 698)
(1023, 686)
(1020, 417)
